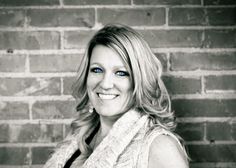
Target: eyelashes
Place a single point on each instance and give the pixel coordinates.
(122, 73)
(96, 70)
(118, 73)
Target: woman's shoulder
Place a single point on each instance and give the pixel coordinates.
(166, 151)
(162, 148)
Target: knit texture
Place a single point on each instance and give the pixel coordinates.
(125, 146)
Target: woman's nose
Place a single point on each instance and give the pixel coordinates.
(107, 81)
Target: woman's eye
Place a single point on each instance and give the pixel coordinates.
(122, 73)
(96, 70)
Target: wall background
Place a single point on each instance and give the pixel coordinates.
(41, 44)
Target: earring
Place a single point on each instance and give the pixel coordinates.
(91, 109)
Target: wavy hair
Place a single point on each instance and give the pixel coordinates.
(149, 92)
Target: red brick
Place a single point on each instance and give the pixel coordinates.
(180, 85)
(29, 86)
(219, 2)
(68, 82)
(218, 131)
(190, 131)
(92, 2)
(213, 153)
(133, 17)
(43, 133)
(61, 17)
(12, 63)
(28, 2)
(227, 82)
(167, 2)
(203, 61)
(4, 133)
(78, 39)
(186, 17)
(204, 107)
(173, 38)
(41, 154)
(55, 63)
(54, 109)
(14, 156)
(29, 40)
(13, 110)
(221, 16)
(12, 18)
(220, 38)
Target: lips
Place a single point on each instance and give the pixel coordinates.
(107, 96)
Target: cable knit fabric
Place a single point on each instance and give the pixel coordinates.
(125, 146)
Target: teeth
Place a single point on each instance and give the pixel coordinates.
(106, 96)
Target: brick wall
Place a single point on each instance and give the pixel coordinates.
(41, 44)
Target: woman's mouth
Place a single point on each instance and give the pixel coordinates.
(107, 96)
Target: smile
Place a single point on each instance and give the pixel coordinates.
(106, 96)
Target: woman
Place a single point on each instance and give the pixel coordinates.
(125, 117)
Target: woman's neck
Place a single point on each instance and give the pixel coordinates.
(106, 124)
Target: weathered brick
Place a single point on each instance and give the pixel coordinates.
(167, 2)
(186, 17)
(12, 63)
(180, 85)
(221, 16)
(204, 107)
(233, 131)
(4, 133)
(220, 38)
(132, 17)
(36, 166)
(173, 38)
(219, 2)
(29, 40)
(13, 18)
(35, 133)
(28, 2)
(67, 87)
(13, 110)
(55, 63)
(202, 16)
(162, 57)
(190, 131)
(61, 17)
(67, 129)
(218, 131)
(213, 153)
(78, 39)
(14, 156)
(92, 2)
(227, 82)
(53, 109)
(41, 154)
(212, 165)
(29, 86)
(203, 61)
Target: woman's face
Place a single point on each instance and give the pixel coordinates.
(108, 82)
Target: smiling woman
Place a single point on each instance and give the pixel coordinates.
(125, 117)
(108, 83)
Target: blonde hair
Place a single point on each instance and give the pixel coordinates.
(149, 93)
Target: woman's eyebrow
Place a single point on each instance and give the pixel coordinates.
(95, 63)
(120, 67)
